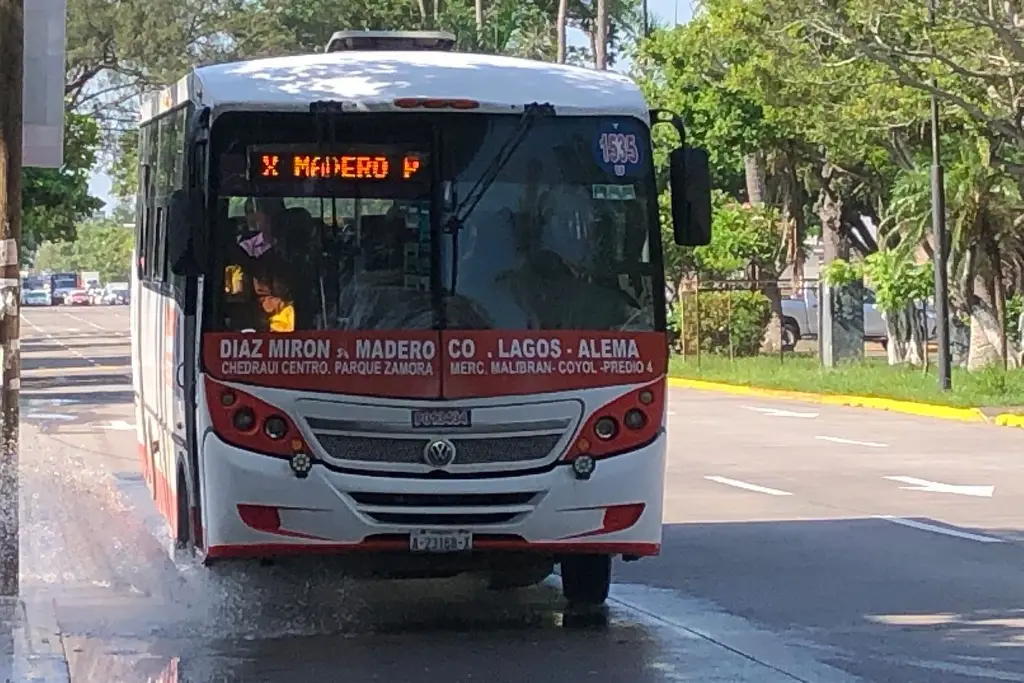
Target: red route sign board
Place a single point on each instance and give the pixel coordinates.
(420, 364)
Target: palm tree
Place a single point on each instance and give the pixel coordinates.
(983, 214)
(601, 36)
(563, 9)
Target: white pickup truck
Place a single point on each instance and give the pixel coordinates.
(800, 318)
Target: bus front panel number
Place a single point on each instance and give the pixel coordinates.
(619, 148)
(440, 541)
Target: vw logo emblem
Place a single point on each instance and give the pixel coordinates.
(439, 453)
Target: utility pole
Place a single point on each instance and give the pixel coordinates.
(939, 231)
(12, 44)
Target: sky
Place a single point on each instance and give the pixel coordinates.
(665, 11)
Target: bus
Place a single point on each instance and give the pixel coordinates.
(404, 303)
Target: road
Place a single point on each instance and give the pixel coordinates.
(802, 543)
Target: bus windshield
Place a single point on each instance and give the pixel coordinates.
(342, 236)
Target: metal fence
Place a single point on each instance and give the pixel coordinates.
(744, 318)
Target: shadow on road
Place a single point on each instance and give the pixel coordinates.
(66, 362)
(866, 587)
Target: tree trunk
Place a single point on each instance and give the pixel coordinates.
(830, 213)
(601, 36)
(753, 167)
(563, 7)
(772, 341)
(987, 308)
(479, 7)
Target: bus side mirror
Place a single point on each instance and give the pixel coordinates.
(690, 179)
(182, 232)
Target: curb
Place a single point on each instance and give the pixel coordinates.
(887, 404)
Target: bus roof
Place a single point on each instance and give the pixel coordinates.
(373, 80)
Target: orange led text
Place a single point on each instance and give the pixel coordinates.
(338, 166)
(268, 165)
(409, 167)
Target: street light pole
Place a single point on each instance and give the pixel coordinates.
(12, 43)
(939, 231)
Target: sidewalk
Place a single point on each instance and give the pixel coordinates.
(30, 645)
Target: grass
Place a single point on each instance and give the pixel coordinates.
(872, 377)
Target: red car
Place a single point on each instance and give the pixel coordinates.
(77, 297)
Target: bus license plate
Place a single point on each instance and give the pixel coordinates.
(431, 541)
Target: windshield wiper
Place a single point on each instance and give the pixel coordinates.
(453, 226)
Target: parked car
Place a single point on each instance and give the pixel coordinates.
(116, 294)
(76, 297)
(800, 319)
(36, 297)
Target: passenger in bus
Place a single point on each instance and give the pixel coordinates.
(276, 302)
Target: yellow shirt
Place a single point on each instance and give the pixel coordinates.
(283, 320)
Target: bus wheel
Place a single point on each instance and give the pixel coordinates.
(586, 579)
(184, 542)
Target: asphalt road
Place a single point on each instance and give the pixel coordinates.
(802, 543)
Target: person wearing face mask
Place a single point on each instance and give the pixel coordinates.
(258, 269)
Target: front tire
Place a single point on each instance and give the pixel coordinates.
(586, 579)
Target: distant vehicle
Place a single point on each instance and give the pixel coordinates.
(116, 294)
(77, 297)
(36, 297)
(61, 283)
(800, 319)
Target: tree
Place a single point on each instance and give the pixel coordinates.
(983, 210)
(102, 245)
(55, 200)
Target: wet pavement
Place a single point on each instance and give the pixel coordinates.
(788, 557)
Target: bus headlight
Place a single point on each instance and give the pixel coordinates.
(275, 427)
(606, 428)
(244, 419)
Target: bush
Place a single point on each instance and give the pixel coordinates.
(739, 316)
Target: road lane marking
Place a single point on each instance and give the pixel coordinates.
(936, 487)
(921, 526)
(119, 425)
(48, 416)
(852, 442)
(776, 412)
(748, 487)
(54, 339)
(87, 322)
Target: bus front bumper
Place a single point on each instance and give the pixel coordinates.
(255, 506)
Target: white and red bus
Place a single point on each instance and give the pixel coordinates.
(403, 302)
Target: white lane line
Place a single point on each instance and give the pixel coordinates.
(87, 322)
(852, 442)
(51, 337)
(776, 412)
(935, 487)
(921, 526)
(748, 487)
(118, 425)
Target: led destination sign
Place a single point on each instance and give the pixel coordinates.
(369, 167)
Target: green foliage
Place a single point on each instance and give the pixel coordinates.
(102, 245)
(741, 236)
(1014, 308)
(736, 317)
(55, 200)
(897, 281)
(841, 273)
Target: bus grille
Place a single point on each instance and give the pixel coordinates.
(382, 438)
(444, 509)
(479, 451)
